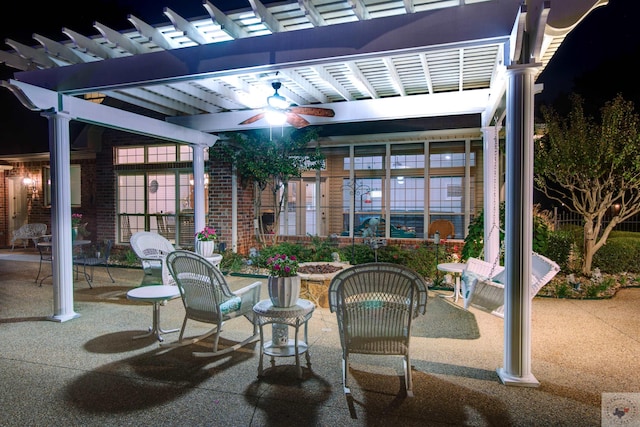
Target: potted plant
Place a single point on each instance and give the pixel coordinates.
(283, 281)
(76, 220)
(206, 241)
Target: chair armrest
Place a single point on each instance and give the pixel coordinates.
(250, 294)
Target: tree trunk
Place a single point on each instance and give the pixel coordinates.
(589, 248)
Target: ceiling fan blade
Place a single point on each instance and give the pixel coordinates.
(253, 119)
(313, 111)
(296, 121)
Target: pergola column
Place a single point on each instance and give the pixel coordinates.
(62, 247)
(491, 165)
(518, 227)
(199, 201)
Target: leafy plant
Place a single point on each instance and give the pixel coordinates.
(282, 265)
(590, 166)
(270, 163)
(474, 242)
(207, 234)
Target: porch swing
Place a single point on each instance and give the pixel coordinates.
(483, 282)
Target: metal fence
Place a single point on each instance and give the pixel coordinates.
(564, 219)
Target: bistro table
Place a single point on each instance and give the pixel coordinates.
(154, 294)
(456, 268)
(281, 318)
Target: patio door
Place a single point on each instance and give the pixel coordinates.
(18, 206)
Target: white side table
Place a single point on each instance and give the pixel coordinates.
(281, 318)
(215, 259)
(154, 294)
(456, 268)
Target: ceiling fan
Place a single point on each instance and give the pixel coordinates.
(289, 113)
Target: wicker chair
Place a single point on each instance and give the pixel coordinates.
(152, 248)
(208, 299)
(442, 226)
(483, 282)
(375, 305)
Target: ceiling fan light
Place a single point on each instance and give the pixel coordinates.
(277, 101)
(276, 118)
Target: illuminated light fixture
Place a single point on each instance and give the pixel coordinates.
(376, 194)
(275, 118)
(31, 184)
(400, 180)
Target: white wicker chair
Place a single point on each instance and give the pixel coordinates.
(375, 304)
(208, 299)
(152, 248)
(28, 232)
(483, 282)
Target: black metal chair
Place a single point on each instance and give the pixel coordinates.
(100, 258)
(45, 254)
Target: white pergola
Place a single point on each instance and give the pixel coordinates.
(367, 60)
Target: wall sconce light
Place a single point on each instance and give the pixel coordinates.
(31, 184)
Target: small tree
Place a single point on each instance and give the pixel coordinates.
(589, 167)
(264, 163)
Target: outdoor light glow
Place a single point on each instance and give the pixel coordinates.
(278, 101)
(276, 118)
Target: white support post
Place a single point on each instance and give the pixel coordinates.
(519, 227)
(199, 202)
(62, 247)
(491, 195)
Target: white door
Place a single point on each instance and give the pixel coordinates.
(17, 204)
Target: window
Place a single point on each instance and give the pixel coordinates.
(76, 185)
(166, 153)
(157, 200)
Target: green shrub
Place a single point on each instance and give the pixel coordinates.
(474, 242)
(619, 254)
(562, 290)
(358, 254)
(559, 247)
(231, 261)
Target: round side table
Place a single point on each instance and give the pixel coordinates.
(154, 294)
(281, 318)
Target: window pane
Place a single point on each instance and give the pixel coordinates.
(129, 155)
(450, 160)
(162, 154)
(131, 194)
(446, 194)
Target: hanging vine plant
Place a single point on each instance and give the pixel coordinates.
(270, 163)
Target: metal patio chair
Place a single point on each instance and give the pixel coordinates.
(100, 258)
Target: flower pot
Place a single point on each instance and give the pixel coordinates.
(284, 291)
(74, 233)
(205, 248)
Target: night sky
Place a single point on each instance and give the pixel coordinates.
(607, 33)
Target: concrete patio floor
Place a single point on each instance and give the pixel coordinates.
(89, 370)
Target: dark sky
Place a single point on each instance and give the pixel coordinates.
(605, 34)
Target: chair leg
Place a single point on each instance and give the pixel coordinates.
(407, 375)
(109, 272)
(39, 270)
(345, 374)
